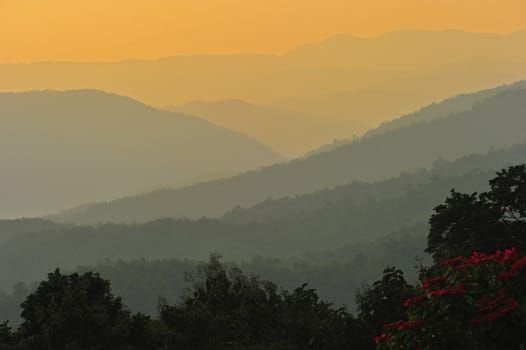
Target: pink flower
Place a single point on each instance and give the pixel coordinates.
(432, 281)
(382, 337)
(510, 255)
(451, 290)
(505, 275)
(417, 299)
(518, 265)
(454, 262)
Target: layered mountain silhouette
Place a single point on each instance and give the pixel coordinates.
(496, 122)
(343, 78)
(290, 133)
(61, 148)
(383, 101)
(327, 219)
(459, 103)
(424, 48)
(464, 174)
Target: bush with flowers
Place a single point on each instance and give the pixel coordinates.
(475, 302)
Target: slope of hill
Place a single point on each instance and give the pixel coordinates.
(459, 103)
(319, 221)
(494, 123)
(359, 193)
(12, 228)
(59, 149)
(289, 133)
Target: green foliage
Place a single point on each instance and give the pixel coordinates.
(383, 300)
(6, 336)
(223, 309)
(483, 222)
(335, 274)
(78, 312)
(228, 310)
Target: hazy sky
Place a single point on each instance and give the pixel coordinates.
(101, 30)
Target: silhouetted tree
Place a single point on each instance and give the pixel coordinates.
(382, 302)
(78, 312)
(228, 310)
(483, 222)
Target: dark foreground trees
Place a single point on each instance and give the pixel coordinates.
(474, 303)
(469, 300)
(76, 312)
(224, 309)
(229, 310)
(474, 296)
(484, 222)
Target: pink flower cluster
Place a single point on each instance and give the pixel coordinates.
(399, 325)
(450, 290)
(516, 267)
(496, 308)
(417, 299)
(431, 282)
(499, 257)
(381, 338)
(454, 262)
(488, 310)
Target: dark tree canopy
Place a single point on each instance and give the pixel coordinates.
(383, 300)
(223, 309)
(481, 222)
(228, 310)
(78, 312)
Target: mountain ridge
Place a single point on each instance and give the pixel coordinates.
(290, 133)
(62, 147)
(370, 159)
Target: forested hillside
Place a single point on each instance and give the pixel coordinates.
(496, 122)
(12, 228)
(359, 192)
(323, 220)
(336, 274)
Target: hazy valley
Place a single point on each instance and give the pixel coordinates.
(353, 192)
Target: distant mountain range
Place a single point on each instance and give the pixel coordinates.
(398, 96)
(347, 78)
(290, 133)
(459, 103)
(494, 122)
(61, 148)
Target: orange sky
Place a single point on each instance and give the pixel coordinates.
(102, 30)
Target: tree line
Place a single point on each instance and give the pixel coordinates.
(472, 296)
